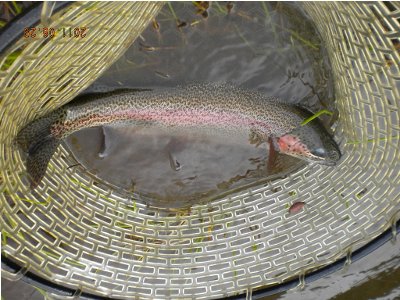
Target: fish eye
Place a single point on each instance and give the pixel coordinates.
(319, 152)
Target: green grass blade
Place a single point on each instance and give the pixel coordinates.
(316, 115)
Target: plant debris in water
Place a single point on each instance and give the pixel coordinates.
(296, 207)
(10, 9)
(202, 8)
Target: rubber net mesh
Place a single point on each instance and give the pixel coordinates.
(78, 233)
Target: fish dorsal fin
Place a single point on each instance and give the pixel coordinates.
(90, 96)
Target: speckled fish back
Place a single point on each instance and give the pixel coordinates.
(205, 105)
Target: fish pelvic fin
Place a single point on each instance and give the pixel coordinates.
(38, 143)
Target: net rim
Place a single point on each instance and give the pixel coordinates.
(28, 277)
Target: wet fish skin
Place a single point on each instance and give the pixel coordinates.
(215, 109)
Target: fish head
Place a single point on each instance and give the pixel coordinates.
(311, 143)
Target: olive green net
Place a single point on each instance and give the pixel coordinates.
(79, 233)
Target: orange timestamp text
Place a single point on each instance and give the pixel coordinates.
(50, 32)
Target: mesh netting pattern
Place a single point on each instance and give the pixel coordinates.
(81, 234)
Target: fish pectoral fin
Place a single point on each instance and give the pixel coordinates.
(174, 163)
(279, 162)
(106, 142)
(273, 143)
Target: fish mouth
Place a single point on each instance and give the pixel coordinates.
(292, 145)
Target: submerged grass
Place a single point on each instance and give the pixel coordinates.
(303, 40)
(123, 225)
(4, 236)
(42, 292)
(266, 10)
(268, 20)
(51, 254)
(21, 235)
(74, 263)
(173, 12)
(10, 9)
(36, 202)
(9, 60)
(11, 222)
(220, 8)
(243, 38)
(131, 208)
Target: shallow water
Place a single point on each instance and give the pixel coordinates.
(175, 170)
(267, 47)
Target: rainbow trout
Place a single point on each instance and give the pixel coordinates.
(221, 109)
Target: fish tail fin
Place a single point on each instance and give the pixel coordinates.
(37, 141)
(37, 160)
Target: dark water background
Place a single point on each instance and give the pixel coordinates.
(269, 47)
